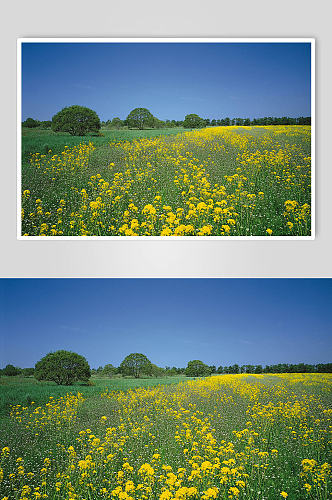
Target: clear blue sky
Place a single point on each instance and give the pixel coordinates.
(220, 321)
(214, 80)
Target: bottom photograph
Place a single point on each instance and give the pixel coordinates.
(160, 389)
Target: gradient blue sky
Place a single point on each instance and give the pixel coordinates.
(214, 80)
(220, 321)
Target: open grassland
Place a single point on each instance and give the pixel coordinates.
(221, 181)
(250, 437)
(22, 390)
(37, 140)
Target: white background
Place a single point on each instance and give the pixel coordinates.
(170, 258)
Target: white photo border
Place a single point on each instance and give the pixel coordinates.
(20, 41)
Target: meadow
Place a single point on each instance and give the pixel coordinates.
(23, 390)
(218, 181)
(250, 437)
(42, 140)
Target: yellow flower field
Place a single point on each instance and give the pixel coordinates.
(224, 437)
(218, 181)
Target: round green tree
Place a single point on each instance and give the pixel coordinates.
(193, 121)
(140, 118)
(117, 123)
(197, 368)
(77, 120)
(136, 364)
(109, 370)
(31, 123)
(63, 368)
(10, 371)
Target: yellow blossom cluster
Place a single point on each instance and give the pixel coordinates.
(56, 412)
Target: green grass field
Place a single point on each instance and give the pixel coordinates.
(247, 437)
(21, 390)
(38, 140)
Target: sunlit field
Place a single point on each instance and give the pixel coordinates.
(22, 390)
(218, 181)
(230, 436)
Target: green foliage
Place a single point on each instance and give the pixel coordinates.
(109, 370)
(136, 364)
(270, 120)
(63, 368)
(77, 120)
(27, 372)
(117, 123)
(157, 371)
(193, 121)
(197, 368)
(10, 371)
(232, 369)
(31, 123)
(172, 372)
(46, 124)
(140, 118)
(158, 123)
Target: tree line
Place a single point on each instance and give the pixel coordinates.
(79, 120)
(66, 367)
(278, 368)
(195, 121)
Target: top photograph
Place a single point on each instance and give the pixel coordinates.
(165, 138)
